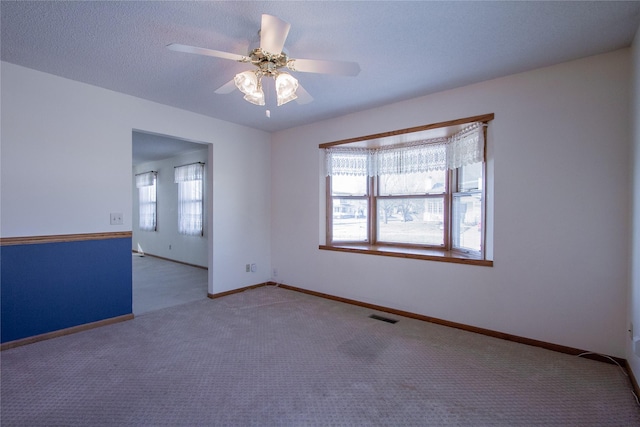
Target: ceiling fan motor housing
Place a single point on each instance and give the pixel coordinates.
(267, 62)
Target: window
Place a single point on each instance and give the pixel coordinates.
(147, 194)
(190, 179)
(409, 192)
(466, 224)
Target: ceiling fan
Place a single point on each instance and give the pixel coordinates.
(269, 60)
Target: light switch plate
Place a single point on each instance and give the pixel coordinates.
(116, 218)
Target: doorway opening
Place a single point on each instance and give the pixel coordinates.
(169, 267)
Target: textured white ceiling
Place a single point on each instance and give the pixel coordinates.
(405, 49)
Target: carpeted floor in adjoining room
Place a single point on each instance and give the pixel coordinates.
(275, 357)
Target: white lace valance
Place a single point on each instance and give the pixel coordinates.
(463, 148)
(350, 161)
(192, 172)
(422, 157)
(145, 179)
(466, 147)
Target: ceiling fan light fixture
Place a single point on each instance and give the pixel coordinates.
(256, 98)
(286, 86)
(247, 82)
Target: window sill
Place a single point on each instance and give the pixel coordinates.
(423, 254)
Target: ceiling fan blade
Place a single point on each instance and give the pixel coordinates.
(303, 96)
(342, 68)
(228, 87)
(273, 34)
(207, 52)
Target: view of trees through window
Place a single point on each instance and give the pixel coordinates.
(416, 218)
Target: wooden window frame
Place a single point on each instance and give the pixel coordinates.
(446, 252)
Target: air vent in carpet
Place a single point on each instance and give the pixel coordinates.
(384, 319)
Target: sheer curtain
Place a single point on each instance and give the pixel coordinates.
(463, 148)
(190, 180)
(146, 184)
(466, 147)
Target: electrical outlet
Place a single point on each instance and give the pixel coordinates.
(254, 268)
(248, 268)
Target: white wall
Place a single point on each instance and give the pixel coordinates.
(66, 164)
(559, 146)
(166, 241)
(634, 291)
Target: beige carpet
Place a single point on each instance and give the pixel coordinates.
(274, 357)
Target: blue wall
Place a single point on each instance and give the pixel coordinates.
(51, 286)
